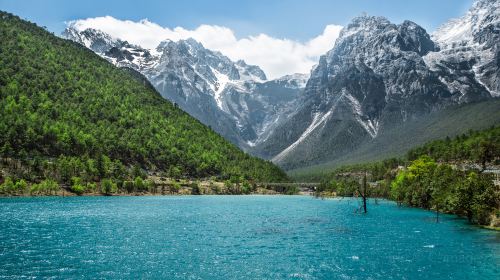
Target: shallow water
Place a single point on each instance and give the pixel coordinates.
(237, 237)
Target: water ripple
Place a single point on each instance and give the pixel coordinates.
(236, 237)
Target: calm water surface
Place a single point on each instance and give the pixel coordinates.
(237, 237)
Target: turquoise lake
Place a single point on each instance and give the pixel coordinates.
(237, 237)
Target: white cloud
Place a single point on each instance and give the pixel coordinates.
(277, 57)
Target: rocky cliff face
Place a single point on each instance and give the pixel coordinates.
(379, 75)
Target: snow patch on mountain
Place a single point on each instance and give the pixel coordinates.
(219, 86)
(297, 80)
(371, 126)
(478, 75)
(318, 119)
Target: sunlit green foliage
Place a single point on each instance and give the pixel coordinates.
(438, 186)
(139, 184)
(108, 187)
(11, 187)
(77, 186)
(46, 187)
(195, 188)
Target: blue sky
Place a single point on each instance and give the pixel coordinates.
(282, 37)
(295, 19)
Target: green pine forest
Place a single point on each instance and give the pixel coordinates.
(68, 115)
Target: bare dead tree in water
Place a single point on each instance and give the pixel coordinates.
(363, 192)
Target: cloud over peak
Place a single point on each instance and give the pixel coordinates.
(276, 56)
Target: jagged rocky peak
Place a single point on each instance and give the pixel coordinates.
(371, 46)
(374, 47)
(297, 80)
(93, 39)
(364, 23)
(414, 38)
(250, 72)
(232, 97)
(187, 58)
(205, 60)
(117, 51)
(369, 35)
(178, 49)
(183, 48)
(127, 53)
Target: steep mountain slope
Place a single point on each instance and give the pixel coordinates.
(231, 97)
(399, 139)
(262, 106)
(66, 108)
(379, 76)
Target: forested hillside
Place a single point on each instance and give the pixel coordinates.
(478, 146)
(67, 113)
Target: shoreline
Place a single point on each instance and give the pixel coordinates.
(70, 194)
(149, 186)
(487, 227)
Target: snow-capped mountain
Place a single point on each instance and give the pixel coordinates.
(469, 50)
(231, 97)
(378, 76)
(262, 104)
(381, 74)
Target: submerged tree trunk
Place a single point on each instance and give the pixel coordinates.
(363, 195)
(437, 214)
(469, 216)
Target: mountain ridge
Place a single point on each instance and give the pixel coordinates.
(228, 96)
(376, 76)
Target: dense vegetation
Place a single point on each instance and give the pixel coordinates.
(67, 113)
(478, 146)
(445, 175)
(440, 187)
